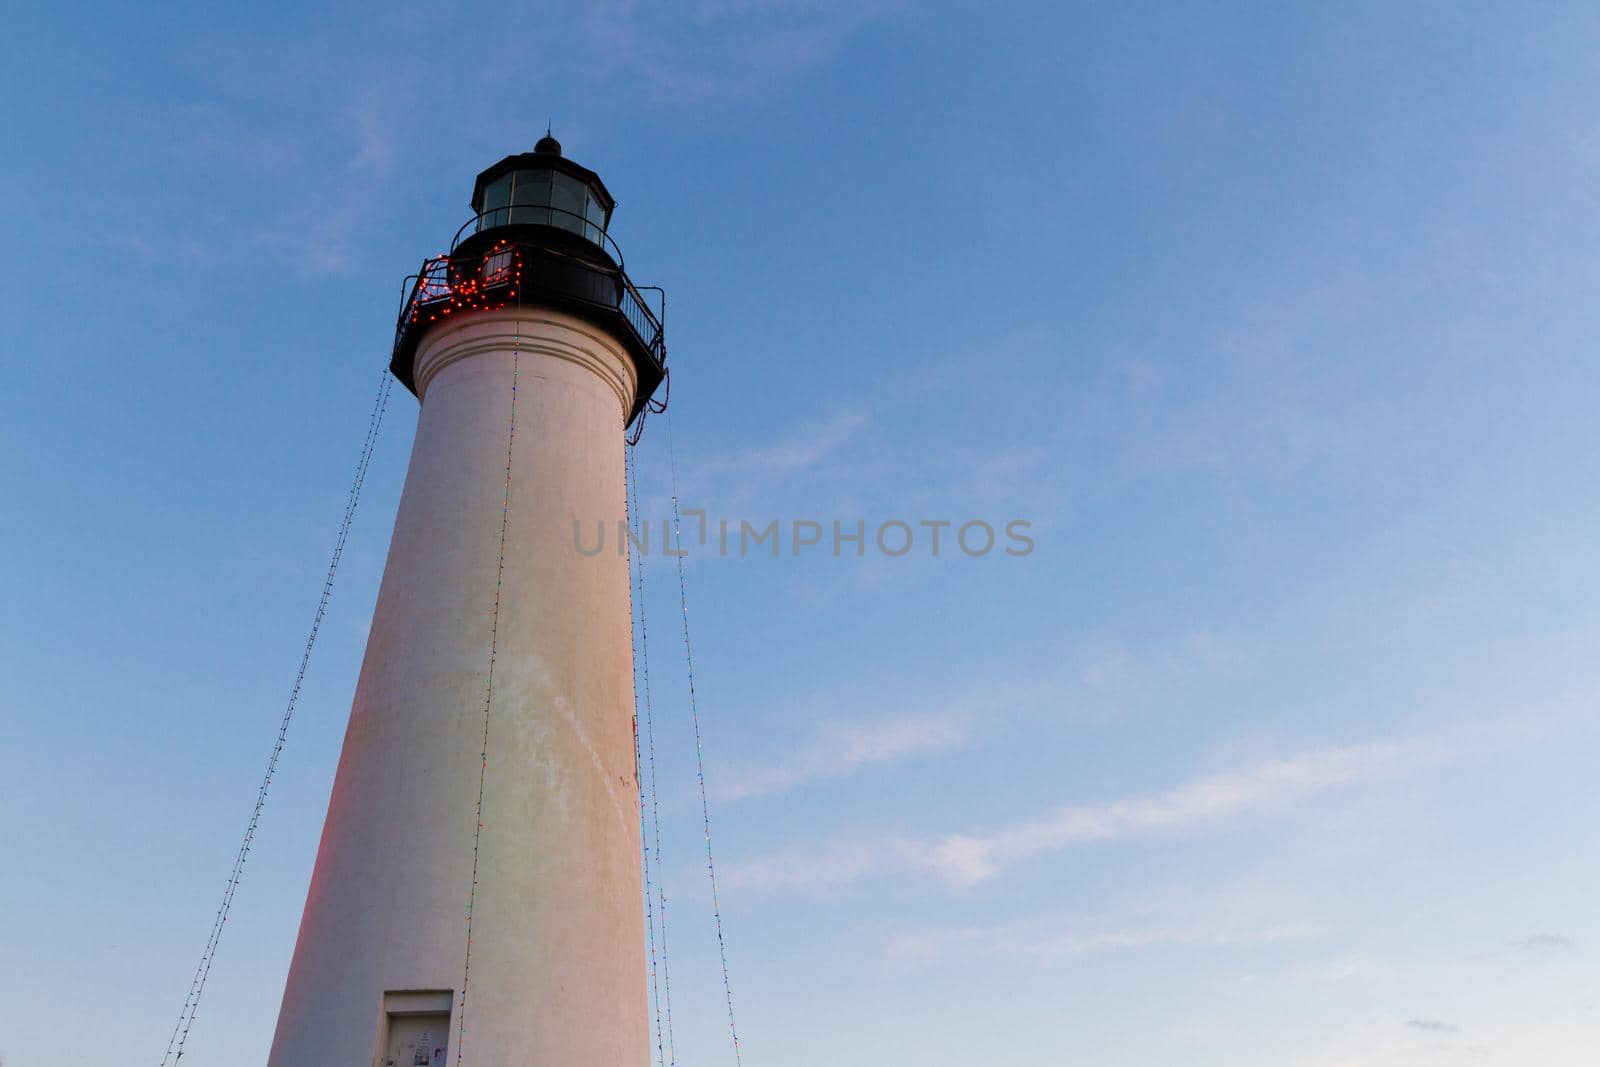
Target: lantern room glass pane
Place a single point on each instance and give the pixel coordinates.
(567, 195)
(529, 193)
(496, 198)
(595, 213)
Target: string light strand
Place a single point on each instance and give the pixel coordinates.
(667, 1057)
(699, 749)
(177, 1043)
(488, 693)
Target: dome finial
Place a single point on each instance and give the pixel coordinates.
(548, 145)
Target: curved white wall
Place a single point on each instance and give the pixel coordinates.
(558, 971)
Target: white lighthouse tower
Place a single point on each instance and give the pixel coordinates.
(476, 896)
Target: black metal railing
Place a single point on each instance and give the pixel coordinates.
(537, 261)
(646, 322)
(538, 215)
(430, 283)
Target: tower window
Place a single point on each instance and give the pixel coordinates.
(496, 268)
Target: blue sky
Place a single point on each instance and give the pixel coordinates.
(1277, 325)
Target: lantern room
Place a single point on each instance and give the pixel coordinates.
(543, 188)
(537, 237)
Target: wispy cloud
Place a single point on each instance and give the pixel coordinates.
(1013, 941)
(966, 859)
(811, 444)
(1541, 943)
(844, 748)
(1433, 1026)
(720, 51)
(815, 868)
(798, 450)
(1092, 685)
(359, 155)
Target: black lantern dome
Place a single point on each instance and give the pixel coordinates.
(538, 235)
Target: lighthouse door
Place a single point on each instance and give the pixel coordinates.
(417, 1040)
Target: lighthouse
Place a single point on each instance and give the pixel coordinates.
(476, 896)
